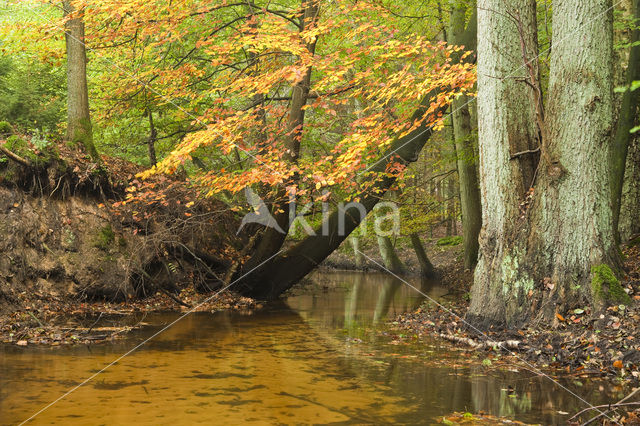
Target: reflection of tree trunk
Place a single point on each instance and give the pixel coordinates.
(351, 303)
(385, 296)
(425, 264)
(388, 253)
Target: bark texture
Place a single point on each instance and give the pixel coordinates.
(506, 125)
(426, 267)
(389, 256)
(629, 226)
(538, 246)
(79, 132)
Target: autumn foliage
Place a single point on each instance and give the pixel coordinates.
(229, 69)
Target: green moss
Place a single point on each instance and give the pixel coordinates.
(20, 147)
(105, 238)
(5, 129)
(449, 241)
(605, 287)
(16, 144)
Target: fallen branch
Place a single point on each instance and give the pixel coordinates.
(609, 407)
(507, 344)
(15, 157)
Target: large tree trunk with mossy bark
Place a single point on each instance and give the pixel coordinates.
(79, 132)
(470, 203)
(538, 247)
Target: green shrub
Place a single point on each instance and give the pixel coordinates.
(5, 129)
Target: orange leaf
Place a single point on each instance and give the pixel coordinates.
(617, 364)
(560, 317)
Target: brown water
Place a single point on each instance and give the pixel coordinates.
(316, 358)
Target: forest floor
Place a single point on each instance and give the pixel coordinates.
(580, 344)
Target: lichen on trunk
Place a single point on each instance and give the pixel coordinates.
(538, 246)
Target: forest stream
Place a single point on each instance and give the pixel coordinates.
(321, 356)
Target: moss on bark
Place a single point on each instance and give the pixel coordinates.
(605, 287)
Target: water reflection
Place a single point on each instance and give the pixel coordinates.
(316, 358)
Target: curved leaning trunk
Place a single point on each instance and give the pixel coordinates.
(280, 272)
(538, 246)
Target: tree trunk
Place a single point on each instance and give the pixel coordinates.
(151, 143)
(281, 272)
(626, 120)
(629, 226)
(79, 132)
(537, 248)
(426, 267)
(389, 256)
(355, 242)
(272, 239)
(470, 203)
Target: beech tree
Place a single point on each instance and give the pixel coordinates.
(79, 131)
(547, 241)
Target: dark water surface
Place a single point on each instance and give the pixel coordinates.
(316, 358)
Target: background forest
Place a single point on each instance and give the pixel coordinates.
(330, 101)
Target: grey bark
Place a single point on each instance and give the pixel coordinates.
(629, 226)
(537, 249)
(79, 131)
(389, 256)
(426, 266)
(272, 239)
(357, 251)
(151, 142)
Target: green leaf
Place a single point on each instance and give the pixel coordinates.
(635, 129)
